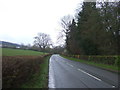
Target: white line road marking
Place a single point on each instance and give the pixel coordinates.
(69, 64)
(113, 86)
(90, 75)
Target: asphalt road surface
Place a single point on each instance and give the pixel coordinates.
(64, 73)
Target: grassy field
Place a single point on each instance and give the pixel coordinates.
(104, 66)
(16, 52)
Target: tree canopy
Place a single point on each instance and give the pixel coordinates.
(95, 31)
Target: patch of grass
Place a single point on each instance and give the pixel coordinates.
(104, 66)
(40, 79)
(16, 52)
(0, 51)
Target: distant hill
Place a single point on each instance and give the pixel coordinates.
(9, 44)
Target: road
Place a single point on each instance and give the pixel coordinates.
(64, 73)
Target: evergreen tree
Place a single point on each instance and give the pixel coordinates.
(85, 28)
(109, 18)
(96, 31)
(73, 48)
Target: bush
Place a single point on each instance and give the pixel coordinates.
(110, 60)
(18, 69)
(117, 61)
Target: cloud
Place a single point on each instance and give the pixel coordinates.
(23, 19)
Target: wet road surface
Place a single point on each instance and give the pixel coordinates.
(64, 73)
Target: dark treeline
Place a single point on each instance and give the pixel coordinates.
(95, 31)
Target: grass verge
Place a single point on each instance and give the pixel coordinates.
(0, 53)
(103, 66)
(40, 79)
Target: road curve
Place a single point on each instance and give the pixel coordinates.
(64, 73)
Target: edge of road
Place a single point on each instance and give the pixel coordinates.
(51, 82)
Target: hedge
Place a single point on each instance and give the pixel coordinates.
(18, 69)
(110, 60)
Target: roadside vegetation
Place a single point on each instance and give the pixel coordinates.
(98, 63)
(19, 69)
(40, 79)
(0, 51)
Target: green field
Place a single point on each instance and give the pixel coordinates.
(16, 52)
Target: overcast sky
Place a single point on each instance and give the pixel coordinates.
(21, 20)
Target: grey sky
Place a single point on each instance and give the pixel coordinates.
(21, 20)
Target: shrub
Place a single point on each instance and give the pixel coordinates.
(18, 69)
(110, 60)
(117, 61)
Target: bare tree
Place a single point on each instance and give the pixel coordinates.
(63, 34)
(42, 41)
(65, 23)
(61, 38)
